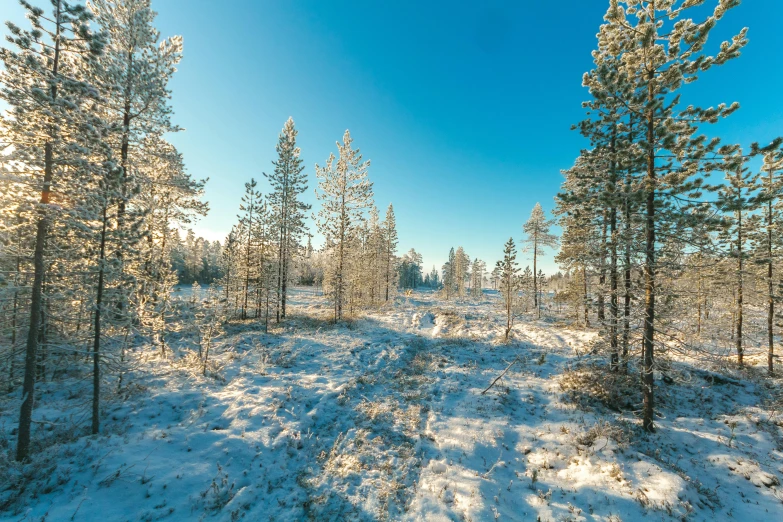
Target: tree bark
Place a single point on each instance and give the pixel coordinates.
(771, 291)
(740, 268)
(96, 344)
(535, 274)
(613, 260)
(649, 265)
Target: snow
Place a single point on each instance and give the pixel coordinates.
(383, 418)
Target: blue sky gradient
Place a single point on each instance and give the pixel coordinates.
(464, 108)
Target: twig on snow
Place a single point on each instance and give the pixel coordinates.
(501, 375)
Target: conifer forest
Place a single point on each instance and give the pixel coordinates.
(617, 358)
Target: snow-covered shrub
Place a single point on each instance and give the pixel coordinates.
(220, 491)
(593, 384)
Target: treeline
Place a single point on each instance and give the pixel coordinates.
(195, 259)
(264, 253)
(665, 229)
(465, 278)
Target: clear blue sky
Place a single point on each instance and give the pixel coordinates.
(464, 108)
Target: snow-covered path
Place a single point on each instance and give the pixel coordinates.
(383, 419)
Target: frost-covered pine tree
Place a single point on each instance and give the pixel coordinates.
(509, 284)
(248, 269)
(603, 172)
(232, 252)
(137, 68)
(288, 182)
(410, 268)
(168, 199)
(541, 285)
(44, 86)
(738, 198)
(374, 248)
(575, 253)
(449, 283)
(461, 266)
(767, 238)
(390, 241)
(477, 270)
(433, 278)
(662, 49)
(211, 314)
(345, 192)
(538, 237)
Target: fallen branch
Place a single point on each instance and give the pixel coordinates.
(501, 375)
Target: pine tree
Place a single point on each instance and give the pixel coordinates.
(168, 199)
(288, 182)
(738, 199)
(575, 254)
(477, 270)
(209, 317)
(137, 71)
(434, 279)
(768, 242)
(509, 283)
(374, 249)
(249, 220)
(461, 266)
(658, 60)
(541, 285)
(345, 192)
(449, 282)
(411, 270)
(390, 250)
(43, 84)
(538, 237)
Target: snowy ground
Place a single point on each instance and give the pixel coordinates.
(384, 419)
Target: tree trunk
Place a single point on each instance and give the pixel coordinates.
(613, 261)
(627, 289)
(247, 259)
(280, 257)
(96, 344)
(740, 353)
(509, 304)
(698, 298)
(284, 282)
(602, 276)
(266, 318)
(338, 314)
(535, 276)
(12, 361)
(388, 269)
(771, 291)
(649, 266)
(28, 387)
(586, 297)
